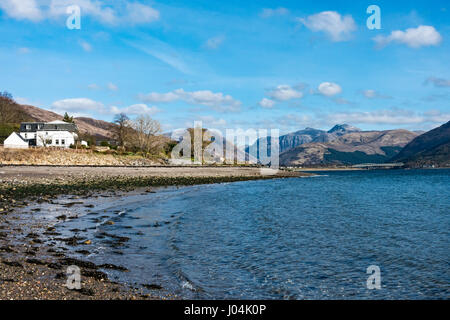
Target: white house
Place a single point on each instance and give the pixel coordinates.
(15, 141)
(47, 134)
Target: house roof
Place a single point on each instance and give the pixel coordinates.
(56, 125)
(15, 138)
(57, 122)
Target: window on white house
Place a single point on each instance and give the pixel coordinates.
(28, 126)
(57, 141)
(63, 142)
(46, 133)
(35, 135)
(26, 136)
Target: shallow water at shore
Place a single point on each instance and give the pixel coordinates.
(299, 238)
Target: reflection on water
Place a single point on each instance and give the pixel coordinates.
(301, 238)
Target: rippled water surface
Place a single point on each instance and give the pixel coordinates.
(300, 238)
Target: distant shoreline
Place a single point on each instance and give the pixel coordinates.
(327, 169)
(21, 182)
(364, 169)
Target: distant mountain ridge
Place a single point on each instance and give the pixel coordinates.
(429, 149)
(348, 146)
(309, 135)
(341, 129)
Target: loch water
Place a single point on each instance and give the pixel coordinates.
(296, 238)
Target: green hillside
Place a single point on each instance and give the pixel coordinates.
(358, 157)
(11, 115)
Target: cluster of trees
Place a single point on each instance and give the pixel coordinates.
(10, 112)
(141, 134)
(68, 118)
(11, 115)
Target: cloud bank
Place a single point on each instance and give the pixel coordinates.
(216, 100)
(329, 89)
(111, 13)
(332, 23)
(422, 36)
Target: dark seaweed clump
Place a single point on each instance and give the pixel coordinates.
(14, 195)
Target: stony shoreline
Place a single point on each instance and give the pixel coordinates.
(34, 256)
(33, 269)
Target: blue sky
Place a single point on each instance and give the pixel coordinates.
(232, 64)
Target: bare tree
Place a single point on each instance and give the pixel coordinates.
(43, 139)
(10, 111)
(122, 128)
(146, 134)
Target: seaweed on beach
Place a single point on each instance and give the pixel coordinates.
(14, 195)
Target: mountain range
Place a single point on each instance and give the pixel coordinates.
(429, 149)
(350, 148)
(341, 145)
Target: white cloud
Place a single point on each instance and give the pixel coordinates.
(22, 9)
(111, 86)
(369, 93)
(210, 121)
(163, 52)
(140, 14)
(106, 12)
(267, 12)
(284, 92)
(22, 100)
(294, 120)
(216, 100)
(331, 22)
(95, 9)
(85, 45)
(437, 116)
(77, 105)
(391, 117)
(421, 36)
(159, 97)
(438, 82)
(136, 109)
(86, 107)
(267, 103)
(329, 89)
(372, 94)
(215, 42)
